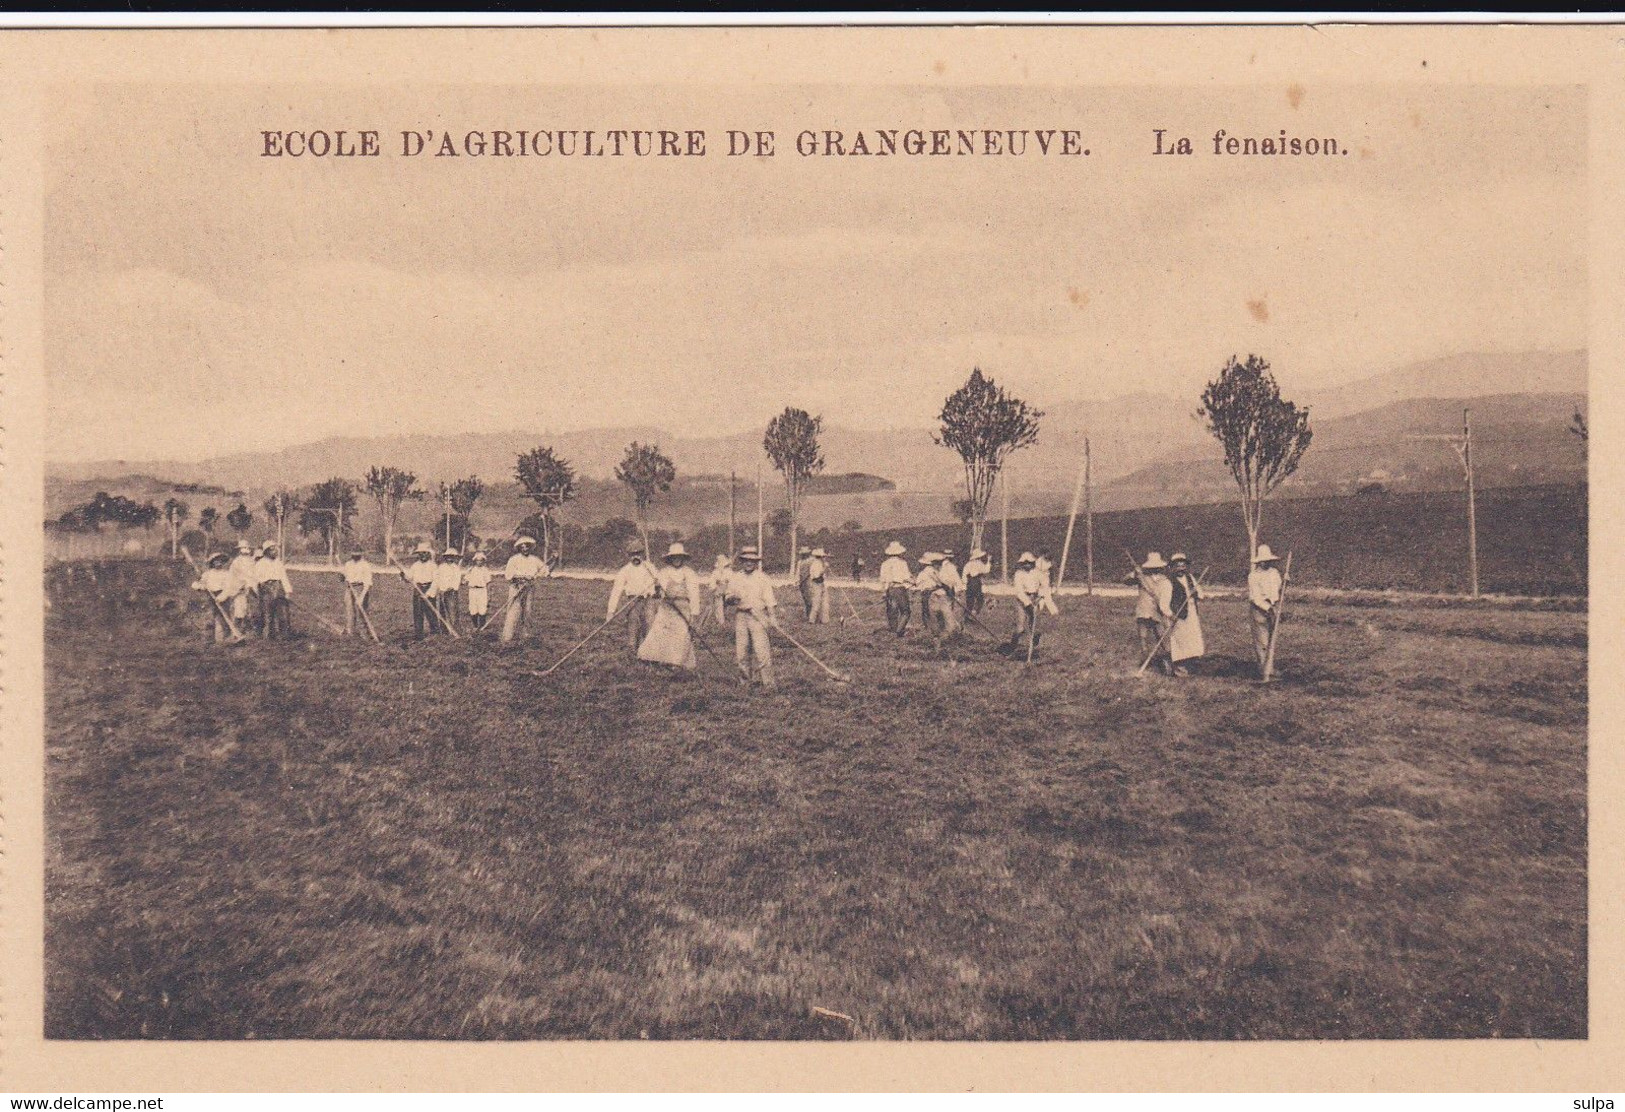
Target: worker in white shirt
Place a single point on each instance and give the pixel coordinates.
(1028, 587)
(720, 574)
(1264, 586)
(523, 570)
(216, 583)
(670, 640)
(275, 589)
(817, 571)
(420, 575)
(948, 573)
(1185, 643)
(935, 602)
(448, 586)
(755, 612)
(635, 580)
(244, 588)
(478, 580)
(1152, 607)
(895, 581)
(976, 568)
(358, 573)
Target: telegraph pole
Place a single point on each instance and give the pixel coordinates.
(1004, 525)
(1472, 511)
(733, 513)
(1088, 517)
(759, 513)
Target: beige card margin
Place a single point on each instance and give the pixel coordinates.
(1594, 56)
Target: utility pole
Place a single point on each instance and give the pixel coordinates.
(759, 512)
(1004, 525)
(1466, 451)
(733, 512)
(1088, 516)
(445, 496)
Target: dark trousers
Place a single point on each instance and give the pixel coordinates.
(974, 600)
(449, 608)
(897, 612)
(422, 621)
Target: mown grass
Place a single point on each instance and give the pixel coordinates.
(322, 839)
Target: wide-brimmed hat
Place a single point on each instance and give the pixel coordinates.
(219, 557)
(269, 546)
(242, 546)
(820, 553)
(479, 557)
(722, 560)
(978, 554)
(803, 551)
(1264, 555)
(895, 548)
(749, 553)
(1026, 558)
(1154, 562)
(358, 552)
(523, 541)
(451, 552)
(1179, 558)
(423, 550)
(930, 557)
(676, 549)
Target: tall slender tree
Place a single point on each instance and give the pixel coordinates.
(645, 471)
(327, 509)
(278, 508)
(175, 514)
(791, 442)
(1263, 435)
(390, 487)
(984, 424)
(549, 480)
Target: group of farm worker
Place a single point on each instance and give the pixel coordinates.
(251, 591)
(667, 604)
(1169, 618)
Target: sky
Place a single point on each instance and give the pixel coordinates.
(203, 300)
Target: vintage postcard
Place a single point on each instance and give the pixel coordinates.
(811, 557)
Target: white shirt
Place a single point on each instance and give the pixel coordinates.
(524, 565)
(894, 572)
(977, 568)
(242, 573)
(816, 568)
(1028, 585)
(477, 577)
(683, 582)
(422, 573)
(754, 592)
(448, 577)
(358, 572)
(217, 581)
(632, 581)
(928, 580)
(1264, 587)
(949, 575)
(268, 568)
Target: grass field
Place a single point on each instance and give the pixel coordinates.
(326, 839)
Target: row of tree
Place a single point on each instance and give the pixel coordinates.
(1263, 437)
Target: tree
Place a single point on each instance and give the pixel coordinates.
(240, 519)
(646, 472)
(550, 482)
(390, 487)
(454, 529)
(175, 514)
(791, 442)
(206, 521)
(279, 507)
(984, 425)
(327, 510)
(1263, 435)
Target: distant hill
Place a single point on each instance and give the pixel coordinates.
(1147, 449)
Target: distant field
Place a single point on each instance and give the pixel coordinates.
(1531, 540)
(325, 839)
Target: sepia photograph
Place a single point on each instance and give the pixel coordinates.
(781, 560)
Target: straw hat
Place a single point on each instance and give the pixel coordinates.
(1153, 562)
(523, 541)
(1179, 558)
(479, 557)
(242, 546)
(676, 549)
(357, 553)
(219, 558)
(749, 553)
(930, 557)
(978, 554)
(820, 553)
(895, 549)
(803, 551)
(1264, 555)
(450, 552)
(423, 550)
(1026, 558)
